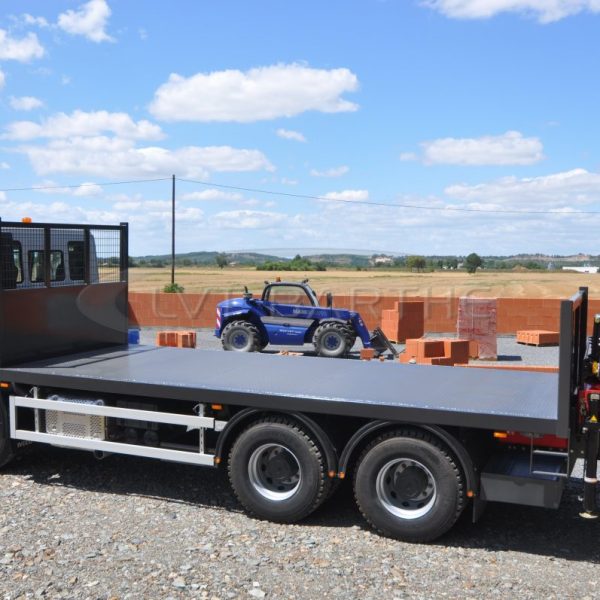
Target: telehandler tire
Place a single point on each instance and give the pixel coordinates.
(241, 336)
(333, 339)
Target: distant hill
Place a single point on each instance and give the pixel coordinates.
(207, 258)
(355, 261)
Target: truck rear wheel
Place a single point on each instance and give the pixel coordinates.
(333, 340)
(7, 446)
(241, 336)
(408, 486)
(277, 471)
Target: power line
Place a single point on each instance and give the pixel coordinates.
(389, 205)
(309, 197)
(79, 185)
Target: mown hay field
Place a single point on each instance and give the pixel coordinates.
(530, 284)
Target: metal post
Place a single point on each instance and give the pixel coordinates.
(86, 256)
(46, 258)
(173, 231)
(124, 252)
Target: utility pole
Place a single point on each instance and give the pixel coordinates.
(173, 231)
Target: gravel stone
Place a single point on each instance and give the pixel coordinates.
(81, 535)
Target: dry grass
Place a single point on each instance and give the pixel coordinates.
(494, 285)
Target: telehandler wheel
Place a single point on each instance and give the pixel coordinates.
(277, 471)
(7, 446)
(241, 336)
(333, 339)
(408, 486)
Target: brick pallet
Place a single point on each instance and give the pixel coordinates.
(537, 337)
(477, 321)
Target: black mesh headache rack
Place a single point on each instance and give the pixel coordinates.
(63, 289)
(63, 301)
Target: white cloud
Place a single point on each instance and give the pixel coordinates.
(546, 11)
(248, 219)
(88, 189)
(52, 188)
(80, 123)
(22, 50)
(348, 195)
(25, 103)
(89, 20)
(4, 166)
(2, 79)
(259, 94)
(35, 21)
(2, 196)
(333, 172)
(288, 134)
(119, 158)
(212, 194)
(510, 148)
(569, 190)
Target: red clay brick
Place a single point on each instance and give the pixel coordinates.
(176, 339)
(367, 354)
(538, 337)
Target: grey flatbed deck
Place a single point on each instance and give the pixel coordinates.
(482, 398)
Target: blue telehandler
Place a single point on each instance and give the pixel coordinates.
(288, 314)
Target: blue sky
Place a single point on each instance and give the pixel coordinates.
(448, 104)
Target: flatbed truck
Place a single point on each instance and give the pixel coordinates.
(420, 443)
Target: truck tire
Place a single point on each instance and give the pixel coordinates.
(408, 485)
(241, 336)
(333, 339)
(7, 446)
(277, 471)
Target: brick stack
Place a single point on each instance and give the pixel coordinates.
(176, 339)
(446, 352)
(477, 319)
(406, 320)
(537, 337)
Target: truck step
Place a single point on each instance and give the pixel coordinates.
(507, 478)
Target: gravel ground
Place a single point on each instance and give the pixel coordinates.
(75, 527)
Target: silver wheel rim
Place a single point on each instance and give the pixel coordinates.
(274, 472)
(418, 495)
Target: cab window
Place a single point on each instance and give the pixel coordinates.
(288, 294)
(17, 252)
(76, 261)
(36, 266)
(12, 263)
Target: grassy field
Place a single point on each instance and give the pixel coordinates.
(529, 284)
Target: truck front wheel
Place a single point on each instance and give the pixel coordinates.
(277, 471)
(7, 446)
(241, 336)
(408, 486)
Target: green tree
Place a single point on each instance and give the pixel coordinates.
(473, 262)
(416, 263)
(221, 260)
